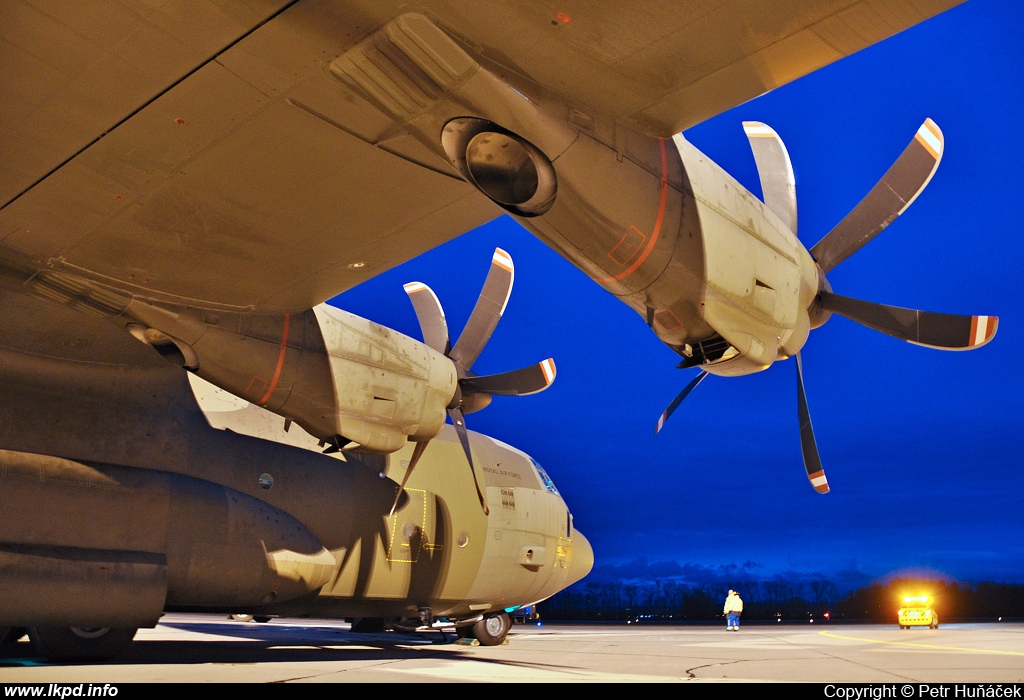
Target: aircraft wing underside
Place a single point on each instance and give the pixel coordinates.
(202, 154)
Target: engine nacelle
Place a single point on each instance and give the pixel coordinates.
(759, 279)
(717, 275)
(346, 380)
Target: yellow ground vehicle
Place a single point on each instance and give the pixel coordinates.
(917, 611)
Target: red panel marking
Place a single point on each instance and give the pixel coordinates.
(179, 121)
(657, 224)
(668, 320)
(256, 387)
(563, 18)
(280, 361)
(628, 246)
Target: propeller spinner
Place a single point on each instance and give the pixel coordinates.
(473, 392)
(889, 198)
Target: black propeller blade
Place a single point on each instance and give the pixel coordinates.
(934, 330)
(808, 446)
(678, 400)
(487, 312)
(519, 382)
(889, 198)
(474, 390)
(775, 170)
(417, 452)
(459, 421)
(430, 315)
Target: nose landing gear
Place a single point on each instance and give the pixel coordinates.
(491, 630)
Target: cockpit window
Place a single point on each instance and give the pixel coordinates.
(548, 483)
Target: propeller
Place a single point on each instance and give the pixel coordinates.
(474, 391)
(889, 198)
(678, 400)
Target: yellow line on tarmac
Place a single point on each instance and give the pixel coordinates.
(925, 646)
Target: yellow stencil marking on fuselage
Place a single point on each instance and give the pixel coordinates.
(413, 556)
(924, 646)
(562, 549)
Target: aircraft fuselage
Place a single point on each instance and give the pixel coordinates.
(151, 509)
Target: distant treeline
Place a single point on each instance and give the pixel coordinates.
(779, 598)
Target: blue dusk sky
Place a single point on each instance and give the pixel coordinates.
(922, 448)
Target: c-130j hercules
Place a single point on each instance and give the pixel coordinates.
(186, 426)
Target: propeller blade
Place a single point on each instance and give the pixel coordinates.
(774, 168)
(520, 382)
(430, 315)
(808, 446)
(889, 198)
(487, 312)
(417, 452)
(934, 330)
(678, 400)
(459, 421)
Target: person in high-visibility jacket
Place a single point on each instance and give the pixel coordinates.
(732, 610)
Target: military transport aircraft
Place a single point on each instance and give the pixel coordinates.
(185, 425)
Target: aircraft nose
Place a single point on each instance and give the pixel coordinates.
(582, 558)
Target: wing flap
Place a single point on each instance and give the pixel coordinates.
(771, 44)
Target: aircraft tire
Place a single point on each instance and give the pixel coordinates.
(261, 618)
(240, 617)
(492, 630)
(80, 644)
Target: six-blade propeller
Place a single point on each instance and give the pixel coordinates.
(473, 392)
(889, 198)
